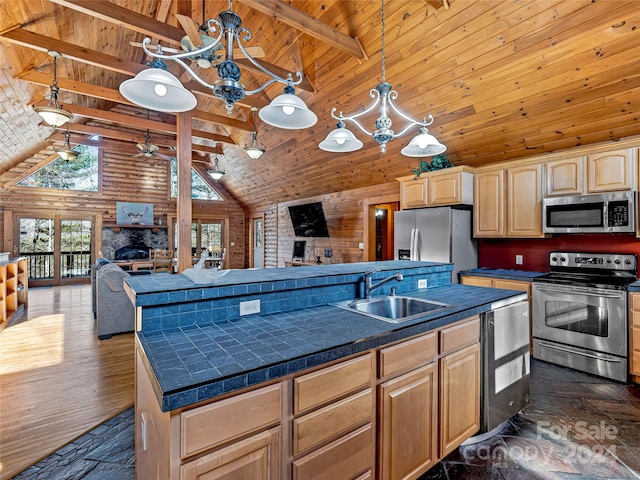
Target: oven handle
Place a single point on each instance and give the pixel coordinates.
(578, 352)
(585, 291)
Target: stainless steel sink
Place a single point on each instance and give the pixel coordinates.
(393, 309)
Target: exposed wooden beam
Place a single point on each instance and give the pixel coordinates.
(37, 78)
(28, 39)
(154, 28)
(124, 17)
(142, 123)
(75, 138)
(306, 23)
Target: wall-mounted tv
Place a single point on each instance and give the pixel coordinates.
(308, 220)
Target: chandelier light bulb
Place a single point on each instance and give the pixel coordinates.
(160, 90)
(340, 140)
(288, 110)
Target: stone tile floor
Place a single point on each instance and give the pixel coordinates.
(578, 426)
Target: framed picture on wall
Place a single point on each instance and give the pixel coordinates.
(130, 213)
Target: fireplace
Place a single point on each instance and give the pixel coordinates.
(134, 251)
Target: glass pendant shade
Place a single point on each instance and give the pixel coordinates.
(158, 90)
(288, 111)
(254, 150)
(423, 145)
(341, 140)
(215, 172)
(54, 116)
(66, 153)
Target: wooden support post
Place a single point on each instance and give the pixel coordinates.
(184, 190)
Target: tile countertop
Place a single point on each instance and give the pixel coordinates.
(521, 275)
(634, 287)
(197, 363)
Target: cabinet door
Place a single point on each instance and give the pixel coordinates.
(413, 193)
(565, 177)
(610, 171)
(445, 189)
(408, 424)
(459, 397)
(477, 281)
(634, 334)
(257, 458)
(488, 198)
(524, 201)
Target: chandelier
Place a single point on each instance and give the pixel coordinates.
(285, 111)
(254, 150)
(343, 140)
(52, 114)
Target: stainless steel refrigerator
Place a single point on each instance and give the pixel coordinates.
(437, 234)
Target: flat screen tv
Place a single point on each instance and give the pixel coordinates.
(308, 220)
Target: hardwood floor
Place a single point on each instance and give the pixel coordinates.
(57, 380)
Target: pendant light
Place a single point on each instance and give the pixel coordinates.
(52, 114)
(254, 150)
(216, 173)
(67, 153)
(343, 140)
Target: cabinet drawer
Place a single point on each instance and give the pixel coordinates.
(331, 383)
(513, 285)
(635, 301)
(634, 367)
(214, 424)
(477, 281)
(341, 460)
(331, 421)
(635, 339)
(634, 318)
(409, 354)
(458, 336)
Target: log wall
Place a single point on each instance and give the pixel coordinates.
(125, 178)
(345, 215)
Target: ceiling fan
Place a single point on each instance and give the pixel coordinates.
(149, 149)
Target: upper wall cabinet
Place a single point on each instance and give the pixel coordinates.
(508, 202)
(611, 171)
(450, 186)
(594, 173)
(565, 176)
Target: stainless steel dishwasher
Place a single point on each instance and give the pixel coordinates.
(505, 366)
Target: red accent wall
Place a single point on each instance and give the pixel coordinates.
(501, 253)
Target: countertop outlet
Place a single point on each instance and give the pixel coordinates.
(249, 307)
(422, 283)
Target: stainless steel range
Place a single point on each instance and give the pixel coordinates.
(579, 312)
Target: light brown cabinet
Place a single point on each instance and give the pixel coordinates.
(430, 390)
(634, 336)
(611, 171)
(489, 200)
(333, 435)
(508, 202)
(449, 186)
(594, 173)
(565, 176)
(14, 285)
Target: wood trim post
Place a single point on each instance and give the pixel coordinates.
(183, 206)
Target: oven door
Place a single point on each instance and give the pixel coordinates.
(590, 318)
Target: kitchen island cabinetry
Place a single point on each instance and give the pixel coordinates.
(438, 398)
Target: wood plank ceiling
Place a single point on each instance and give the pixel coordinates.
(504, 79)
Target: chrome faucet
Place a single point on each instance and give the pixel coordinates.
(369, 286)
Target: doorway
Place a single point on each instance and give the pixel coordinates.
(59, 248)
(257, 242)
(381, 230)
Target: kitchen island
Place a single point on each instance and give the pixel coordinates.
(303, 387)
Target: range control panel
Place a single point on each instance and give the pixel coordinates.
(604, 261)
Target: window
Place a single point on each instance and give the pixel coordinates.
(200, 189)
(79, 174)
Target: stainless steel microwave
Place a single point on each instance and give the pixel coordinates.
(613, 212)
